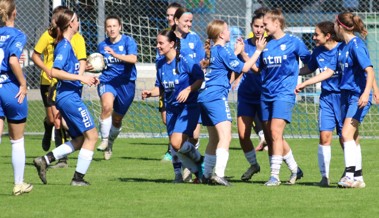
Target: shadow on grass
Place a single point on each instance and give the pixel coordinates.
(145, 180)
(141, 158)
(149, 143)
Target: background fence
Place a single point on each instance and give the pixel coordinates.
(142, 19)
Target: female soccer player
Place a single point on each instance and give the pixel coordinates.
(14, 105)
(180, 78)
(69, 103)
(117, 82)
(324, 58)
(45, 47)
(249, 95)
(213, 99)
(279, 70)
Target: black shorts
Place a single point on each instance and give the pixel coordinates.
(162, 106)
(48, 94)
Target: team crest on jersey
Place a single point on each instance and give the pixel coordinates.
(191, 45)
(121, 48)
(283, 47)
(19, 45)
(59, 57)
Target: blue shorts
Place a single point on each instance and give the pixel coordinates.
(215, 112)
(76, 114)
(9, 106)
(123, 94)
(350, 108)
(182, 119)
(329, 114)
(248, 109)
(277, 110)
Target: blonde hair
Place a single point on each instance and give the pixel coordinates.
(276, 14)
(6, 9)
(214, 29)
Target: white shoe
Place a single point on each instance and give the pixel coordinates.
(103, 145)
(22, 188)
(107, 154)
(187, 175)
(358, 184)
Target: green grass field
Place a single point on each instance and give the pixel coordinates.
(135, 183)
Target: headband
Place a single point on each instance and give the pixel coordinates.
(340, 23)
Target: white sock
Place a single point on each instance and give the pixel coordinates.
(276, 162)
(187, 162)
(196, 146)
(189, 149)
(222, 156)
(113, 133)
(18, 160)
(63, 150)
(261, 136)
(209, 164)
(358, 166)
(324, 156)
(350, 149)
(105, 127)
(84, 160)
(251, 157)
(289, 159)
(176, 162)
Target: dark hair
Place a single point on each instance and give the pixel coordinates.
(171, 36)
(61, 23)
(328, 27)
(6, 9)
(178, 14)
(113, 17)
(174, 5)
(352, 22)
(57, 10)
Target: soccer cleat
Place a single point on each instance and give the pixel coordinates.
(187, 175)
(60, 164)
(324, 182)
(22, 188)
(178, 178)
(79, 183)
(103, 145)
(167, 157)
(346, 182)
(359, 184)
(273, 181)
(220, 181)
(206, 181)
(107, 154)
(295, 176)
(41, 167)
(253, 169)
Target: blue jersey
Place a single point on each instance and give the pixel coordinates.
(279, 64)
(353, 59)
(192, 46)
(249, 89)
(322, 58)
(65, 59)
(12, 42)
(222, 62)
(173, 82)
(116, 69)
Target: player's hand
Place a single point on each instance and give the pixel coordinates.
(88, 67)
(88, 80)
(261, 43)
(109, 50)
(145, 94)
(22, 92)
(183, 95)
(239, 46)
(376, 96)
(299, 88)
(363, 100)
(22, 59)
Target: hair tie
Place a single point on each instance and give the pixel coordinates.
(340, 23)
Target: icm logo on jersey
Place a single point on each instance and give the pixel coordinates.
(191, 45)
(3, 77)
(3, 38)
(227, 109)
(85, 117)
(176, 81)
(283, 47)
(234, 63)
(269, 60)
(59, 57)
(168, 84)
(111, 60)
(121, 48)
(174, 71)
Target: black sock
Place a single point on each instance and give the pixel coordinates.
(168, 148)
(50, 157)
(78, 176)
(58, 137)
(48, 128)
